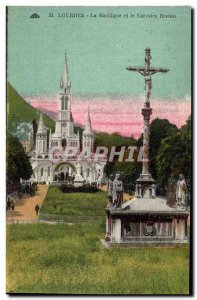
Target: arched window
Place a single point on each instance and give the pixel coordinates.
(41, 172)
(48, 171)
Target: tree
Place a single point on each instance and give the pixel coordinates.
(159, 130)
(174, 155)
(114, 139)
(18, 162)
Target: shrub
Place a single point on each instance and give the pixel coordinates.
(86, 188)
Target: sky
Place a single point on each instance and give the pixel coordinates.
(98, 51)
(112, 115)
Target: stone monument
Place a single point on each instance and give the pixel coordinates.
(148, 220)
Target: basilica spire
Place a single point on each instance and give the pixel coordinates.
(41, 136)
(41, 126)
(88, 117)
(88, 126)
(88, 136)
(65, 82)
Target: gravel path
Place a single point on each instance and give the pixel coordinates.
(25, 208)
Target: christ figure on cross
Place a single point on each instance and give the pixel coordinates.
(147, 71)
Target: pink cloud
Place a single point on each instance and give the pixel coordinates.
(113, 114)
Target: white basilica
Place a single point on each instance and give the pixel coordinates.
(50, 160)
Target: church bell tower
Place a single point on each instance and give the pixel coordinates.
(65, 125)
(88, 136)
(65, 86)
(41, 137)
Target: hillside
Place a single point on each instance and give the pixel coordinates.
(20, 111)
(114, 139)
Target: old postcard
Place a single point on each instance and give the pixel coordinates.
(99, 150)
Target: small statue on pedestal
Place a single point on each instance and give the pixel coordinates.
(181, 192)
(78, 168)
(117, 191)
(110, 190)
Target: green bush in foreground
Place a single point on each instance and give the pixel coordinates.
(70, 259)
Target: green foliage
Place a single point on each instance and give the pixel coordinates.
(20, 111)
(114, 139)
(174, 155)
(170, 150)
(70, 259)
(18, 163)
(159, 130)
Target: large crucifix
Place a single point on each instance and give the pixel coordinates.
(147, 71)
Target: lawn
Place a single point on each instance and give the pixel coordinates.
(70, 259)
(74, 206)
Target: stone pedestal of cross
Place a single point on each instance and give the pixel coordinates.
(145, 186)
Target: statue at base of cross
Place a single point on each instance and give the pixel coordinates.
(181, 192)
(110, 190)
(117, 191)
